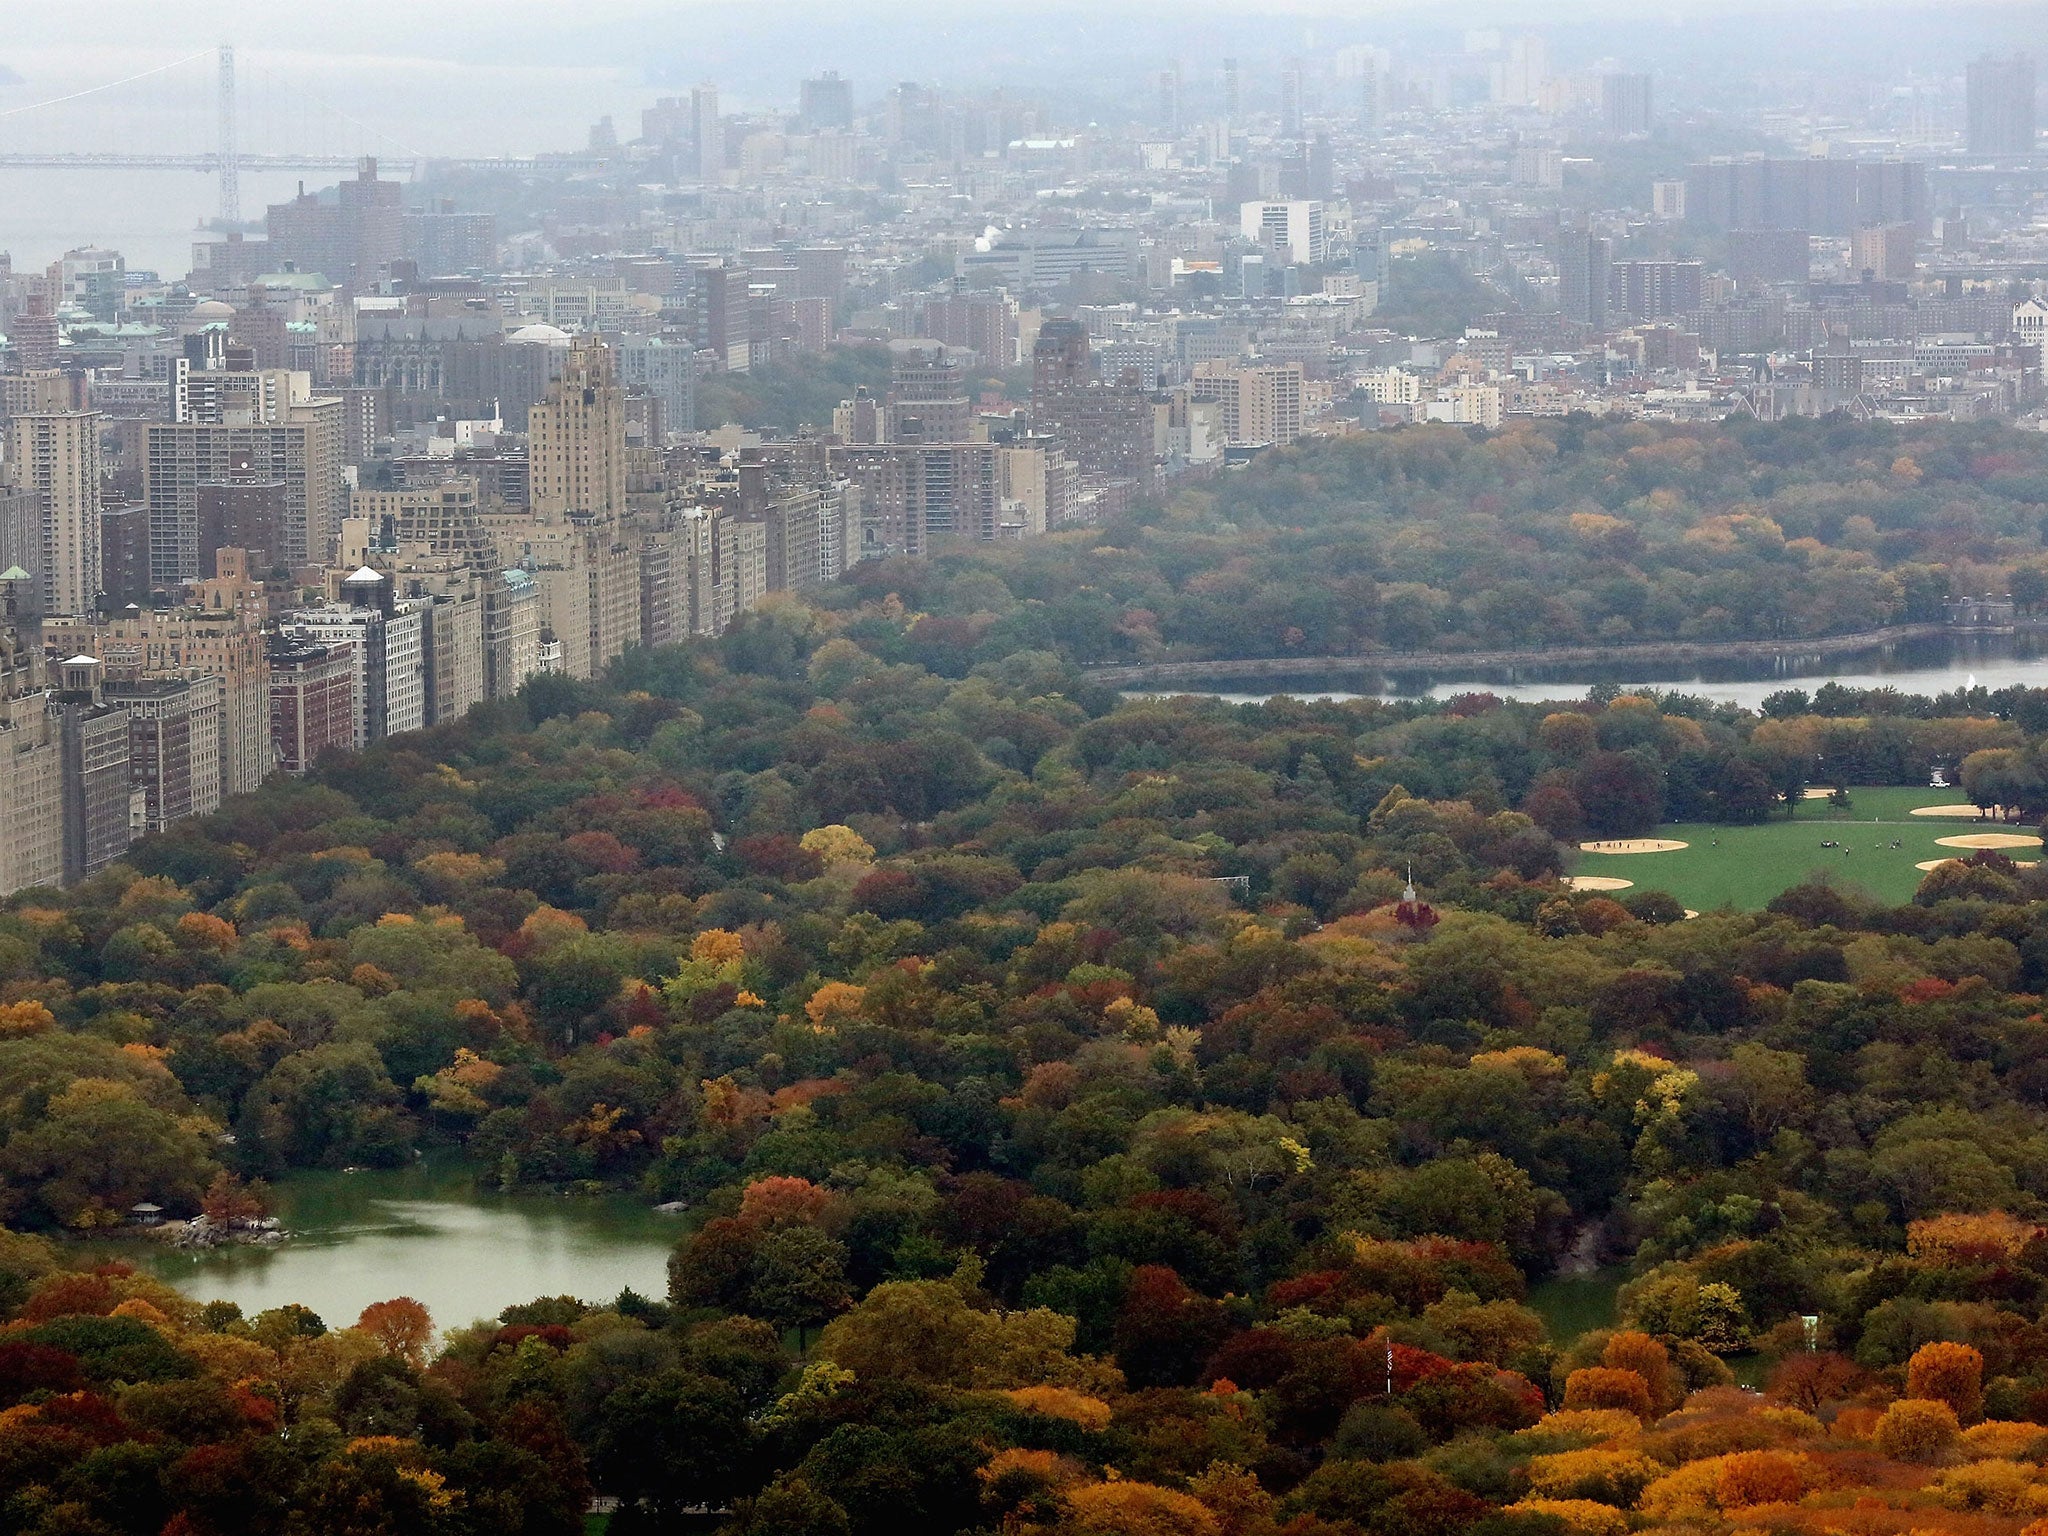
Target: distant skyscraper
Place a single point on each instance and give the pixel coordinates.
(312, 700)
(1821, 197)
(1524, 72)
(56, 455)
(707, 131)
(1369, 100)
(1582, 278)
(1169, 100)
(577, 438)
(1625, 104)
(353, 239)
(1290, 232)
(1651, 290)
(1230, 88)
(34, 334)
(1883, 253)
(826, 102)
(1290, 100)
(2000, 95)
(21, 545)
(230, 425)
(1322, 167)
(124, 554)
(1104, 426)
(92, 279)
(928, 399)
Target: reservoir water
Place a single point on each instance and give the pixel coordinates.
(1933, 665)
(429, 1233)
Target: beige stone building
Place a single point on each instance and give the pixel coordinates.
(219, 634)
(1258, 403)
(56, 454)
(31, 758)
(576, 444)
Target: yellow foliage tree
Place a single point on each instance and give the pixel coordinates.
(1063, 1403)
(142, 1312)
(1603, 1476)
(717, 946)
(546, 927)
(202, 930)
(20, 1020)
(834, 1001)
(1916, 1429)
(1684, 1496)
(1582, 1517)
(2004, 1438)
(837, 844)
(1969, 1239)
(1234, 1496)
(1994, 1487)
(1590, 1424)
(1125, 1508)
(1524, 1060)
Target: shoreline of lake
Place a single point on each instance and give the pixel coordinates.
(428, 1231)
(1925, 664)
(1411, 663)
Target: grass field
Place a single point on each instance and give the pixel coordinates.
(1745, 867)
(1574, 1304)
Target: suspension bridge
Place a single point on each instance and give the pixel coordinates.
(225, 157)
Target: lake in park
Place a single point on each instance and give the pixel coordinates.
(427, 1232)
(1935, 664)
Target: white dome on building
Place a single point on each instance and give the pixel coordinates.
(542, 334)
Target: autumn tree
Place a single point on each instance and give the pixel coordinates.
(1951, 1374)
(401, 1327)
(1916, 1429)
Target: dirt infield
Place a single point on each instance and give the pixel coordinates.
(1937, 863)
(1598, 883)
(1990, 840)
(1634, 845)
(1970, 811)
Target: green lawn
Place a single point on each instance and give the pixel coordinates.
(1745, 867)
(1574, 1304)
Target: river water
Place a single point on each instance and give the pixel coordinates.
(1933, 665)
(429, 1233)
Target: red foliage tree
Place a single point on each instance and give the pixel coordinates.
(1165, 1331)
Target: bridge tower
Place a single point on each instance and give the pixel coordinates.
(230, 150)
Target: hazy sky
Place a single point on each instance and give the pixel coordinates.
(411, 78)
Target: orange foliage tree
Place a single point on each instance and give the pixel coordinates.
(1638, 1352)
(1948, 1373)
(402, 1328)
(1809, 1379)
(1602, 1386)
(1760, 1477)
